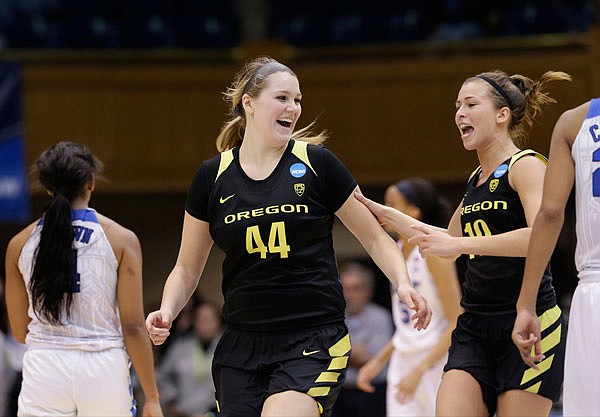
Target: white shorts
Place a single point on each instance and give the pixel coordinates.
(582, 362)
(60, 382)
(423, 402)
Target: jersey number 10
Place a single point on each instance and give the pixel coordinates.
(478, 228)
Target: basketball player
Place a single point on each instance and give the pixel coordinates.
(492, 225)
(574, 157)
(417, 358)
(268, 200)
(74, 296)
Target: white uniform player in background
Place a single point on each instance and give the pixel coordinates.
(74, 296)
(416, 358)
(574, 157)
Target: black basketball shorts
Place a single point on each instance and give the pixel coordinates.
(482, 346)
(250, 367)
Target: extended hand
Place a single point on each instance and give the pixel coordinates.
(527, 335)
(408, 385)
(415, 301)
(377, 209)
(432, 241)
(366, 373)
(158, 324)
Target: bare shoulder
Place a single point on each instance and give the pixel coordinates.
(16, 243)
(532, 161)
(568, 125)
(527, 172)
(576, 113)
(119, 236)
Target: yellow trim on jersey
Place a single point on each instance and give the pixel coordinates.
(551, 340)
(341, 347)
(318, 391)
(534, 388)
(338, 363)
(320, 407)
(549, 317)
(526, 152)
(531, 373)
(328, 377)
(300, 150)
(226, 160)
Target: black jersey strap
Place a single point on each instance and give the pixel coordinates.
(526, 152)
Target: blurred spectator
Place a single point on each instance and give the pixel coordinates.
(529, 17)
(183, 325)
(579, 15)
(200, 24)
(184, 372)
(370, 327)
(412, 20)
(457, 23)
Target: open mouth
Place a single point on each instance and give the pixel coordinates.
(466, 130)
(285, 123)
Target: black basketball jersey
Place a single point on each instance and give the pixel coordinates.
(280, 271)
(492, 283)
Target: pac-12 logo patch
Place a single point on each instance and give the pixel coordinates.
(298, 170)
(494, 185)
(299, 189)
(500, 171)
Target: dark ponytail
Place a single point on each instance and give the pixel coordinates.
(435, 209)
(64, 170)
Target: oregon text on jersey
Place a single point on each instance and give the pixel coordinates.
(262, 211)
(485, 205)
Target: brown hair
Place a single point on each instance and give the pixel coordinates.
(251, 80)
(522, 95)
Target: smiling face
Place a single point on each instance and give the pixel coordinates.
(476, 115)
(274, 113)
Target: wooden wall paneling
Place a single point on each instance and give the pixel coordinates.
(152, 124)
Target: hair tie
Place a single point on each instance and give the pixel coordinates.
(499, 89)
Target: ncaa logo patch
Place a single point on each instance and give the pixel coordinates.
(494, 184)
(500, 171)
(298, 170)
(299, 189)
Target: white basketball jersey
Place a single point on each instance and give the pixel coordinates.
(94, 323)
(586, 154)
(406, 338)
